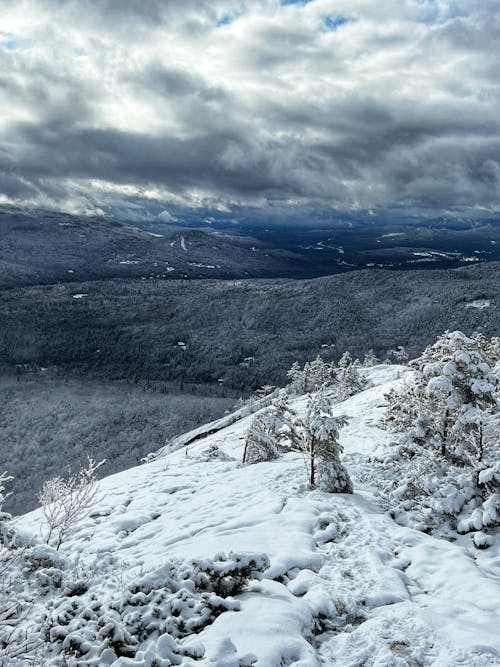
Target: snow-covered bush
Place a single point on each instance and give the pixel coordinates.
(212, 453)
(227, 575)
(316, 434)
(65, 501)
(151, 615)
(18, 641)
(446, 461)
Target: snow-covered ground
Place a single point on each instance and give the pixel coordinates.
(346, 585)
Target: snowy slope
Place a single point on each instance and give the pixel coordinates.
(346, 585)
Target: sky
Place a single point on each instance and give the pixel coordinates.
(140, 109)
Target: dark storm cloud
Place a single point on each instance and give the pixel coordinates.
(396, 105)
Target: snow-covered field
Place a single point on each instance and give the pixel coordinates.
(346, 585)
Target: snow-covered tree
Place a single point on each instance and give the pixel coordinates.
(399, 354)
(4, 478)
(349, 379)
(315, 374)
(370, 359)
(296, 376)
(448, 436)
(319, 374)
(494, 354)
(316, 434)
(455, 385)
(261, 443)
(266, 432)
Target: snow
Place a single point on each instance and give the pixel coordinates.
(346, 585)
(479, 303)
(200, 265)
(183, 243)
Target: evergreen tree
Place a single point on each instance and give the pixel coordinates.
(454, 385)
(349, 380)
(316, 434)
(297, 379)
(450, 470)
(370, 359)
(400, 355)
(315, 374)
(4, 478)
(261, 441)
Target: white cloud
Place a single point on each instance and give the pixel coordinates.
(397, 107)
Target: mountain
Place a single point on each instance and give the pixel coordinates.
(43, 247)
(332, 578)
(38, 247)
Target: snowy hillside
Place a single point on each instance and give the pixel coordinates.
(346, 585)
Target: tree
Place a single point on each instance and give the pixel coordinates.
(263, 438)
(454, 385)
(400, 355)
(448, 443)
(315, 374)
(349, 380)
(297, 379)
(260, 440)
(370, 359)
(4, 478)
(65, 501)
(316, 434)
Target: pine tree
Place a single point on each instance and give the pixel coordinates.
(261, 443)
(297, 379)
(400, 355)
(316, 434)
(349, 380)
(455, 385)
(315, 374)
(370, 359)
(4, 478)
(450, 470)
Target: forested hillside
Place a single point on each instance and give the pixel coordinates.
(241, 333)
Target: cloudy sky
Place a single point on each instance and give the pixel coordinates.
(151, 107)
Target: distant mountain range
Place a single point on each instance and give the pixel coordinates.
(41, 247)
(44, 248)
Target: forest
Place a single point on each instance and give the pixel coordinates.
(115, 368)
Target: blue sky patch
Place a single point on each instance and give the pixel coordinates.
(9, 42)
(333, 21)
(295, 2)
(227, 19)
